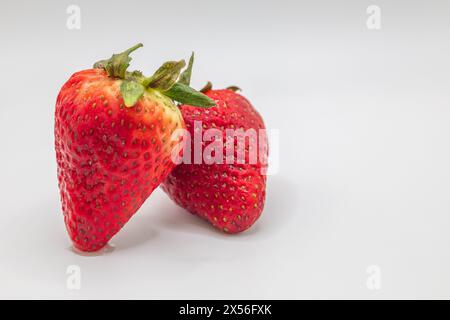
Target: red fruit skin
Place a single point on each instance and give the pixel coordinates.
(110, 158)
(230, 196)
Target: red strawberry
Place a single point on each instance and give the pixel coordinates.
(230, 196)
(113, 143)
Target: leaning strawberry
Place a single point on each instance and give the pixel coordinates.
(113, 143)
(229, 192)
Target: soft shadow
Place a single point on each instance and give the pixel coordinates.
(280, 196)
(176, 218)
(277, 213)
(139, 230)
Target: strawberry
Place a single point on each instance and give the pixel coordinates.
(230, 195)
(113, 143)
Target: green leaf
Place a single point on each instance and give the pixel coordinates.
(185, 94)
(185, 77)
(131, 92)
(117, 65)
(166, 76)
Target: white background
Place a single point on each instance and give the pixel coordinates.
(364, 173)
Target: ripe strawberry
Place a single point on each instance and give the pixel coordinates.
(112, 141)
(230, 196)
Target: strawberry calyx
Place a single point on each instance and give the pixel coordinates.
(167, 79)
(166, 75)
(117, 65)
(234, 88)
(185, 77)
(208, 86)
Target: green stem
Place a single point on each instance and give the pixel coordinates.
(133, 48)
